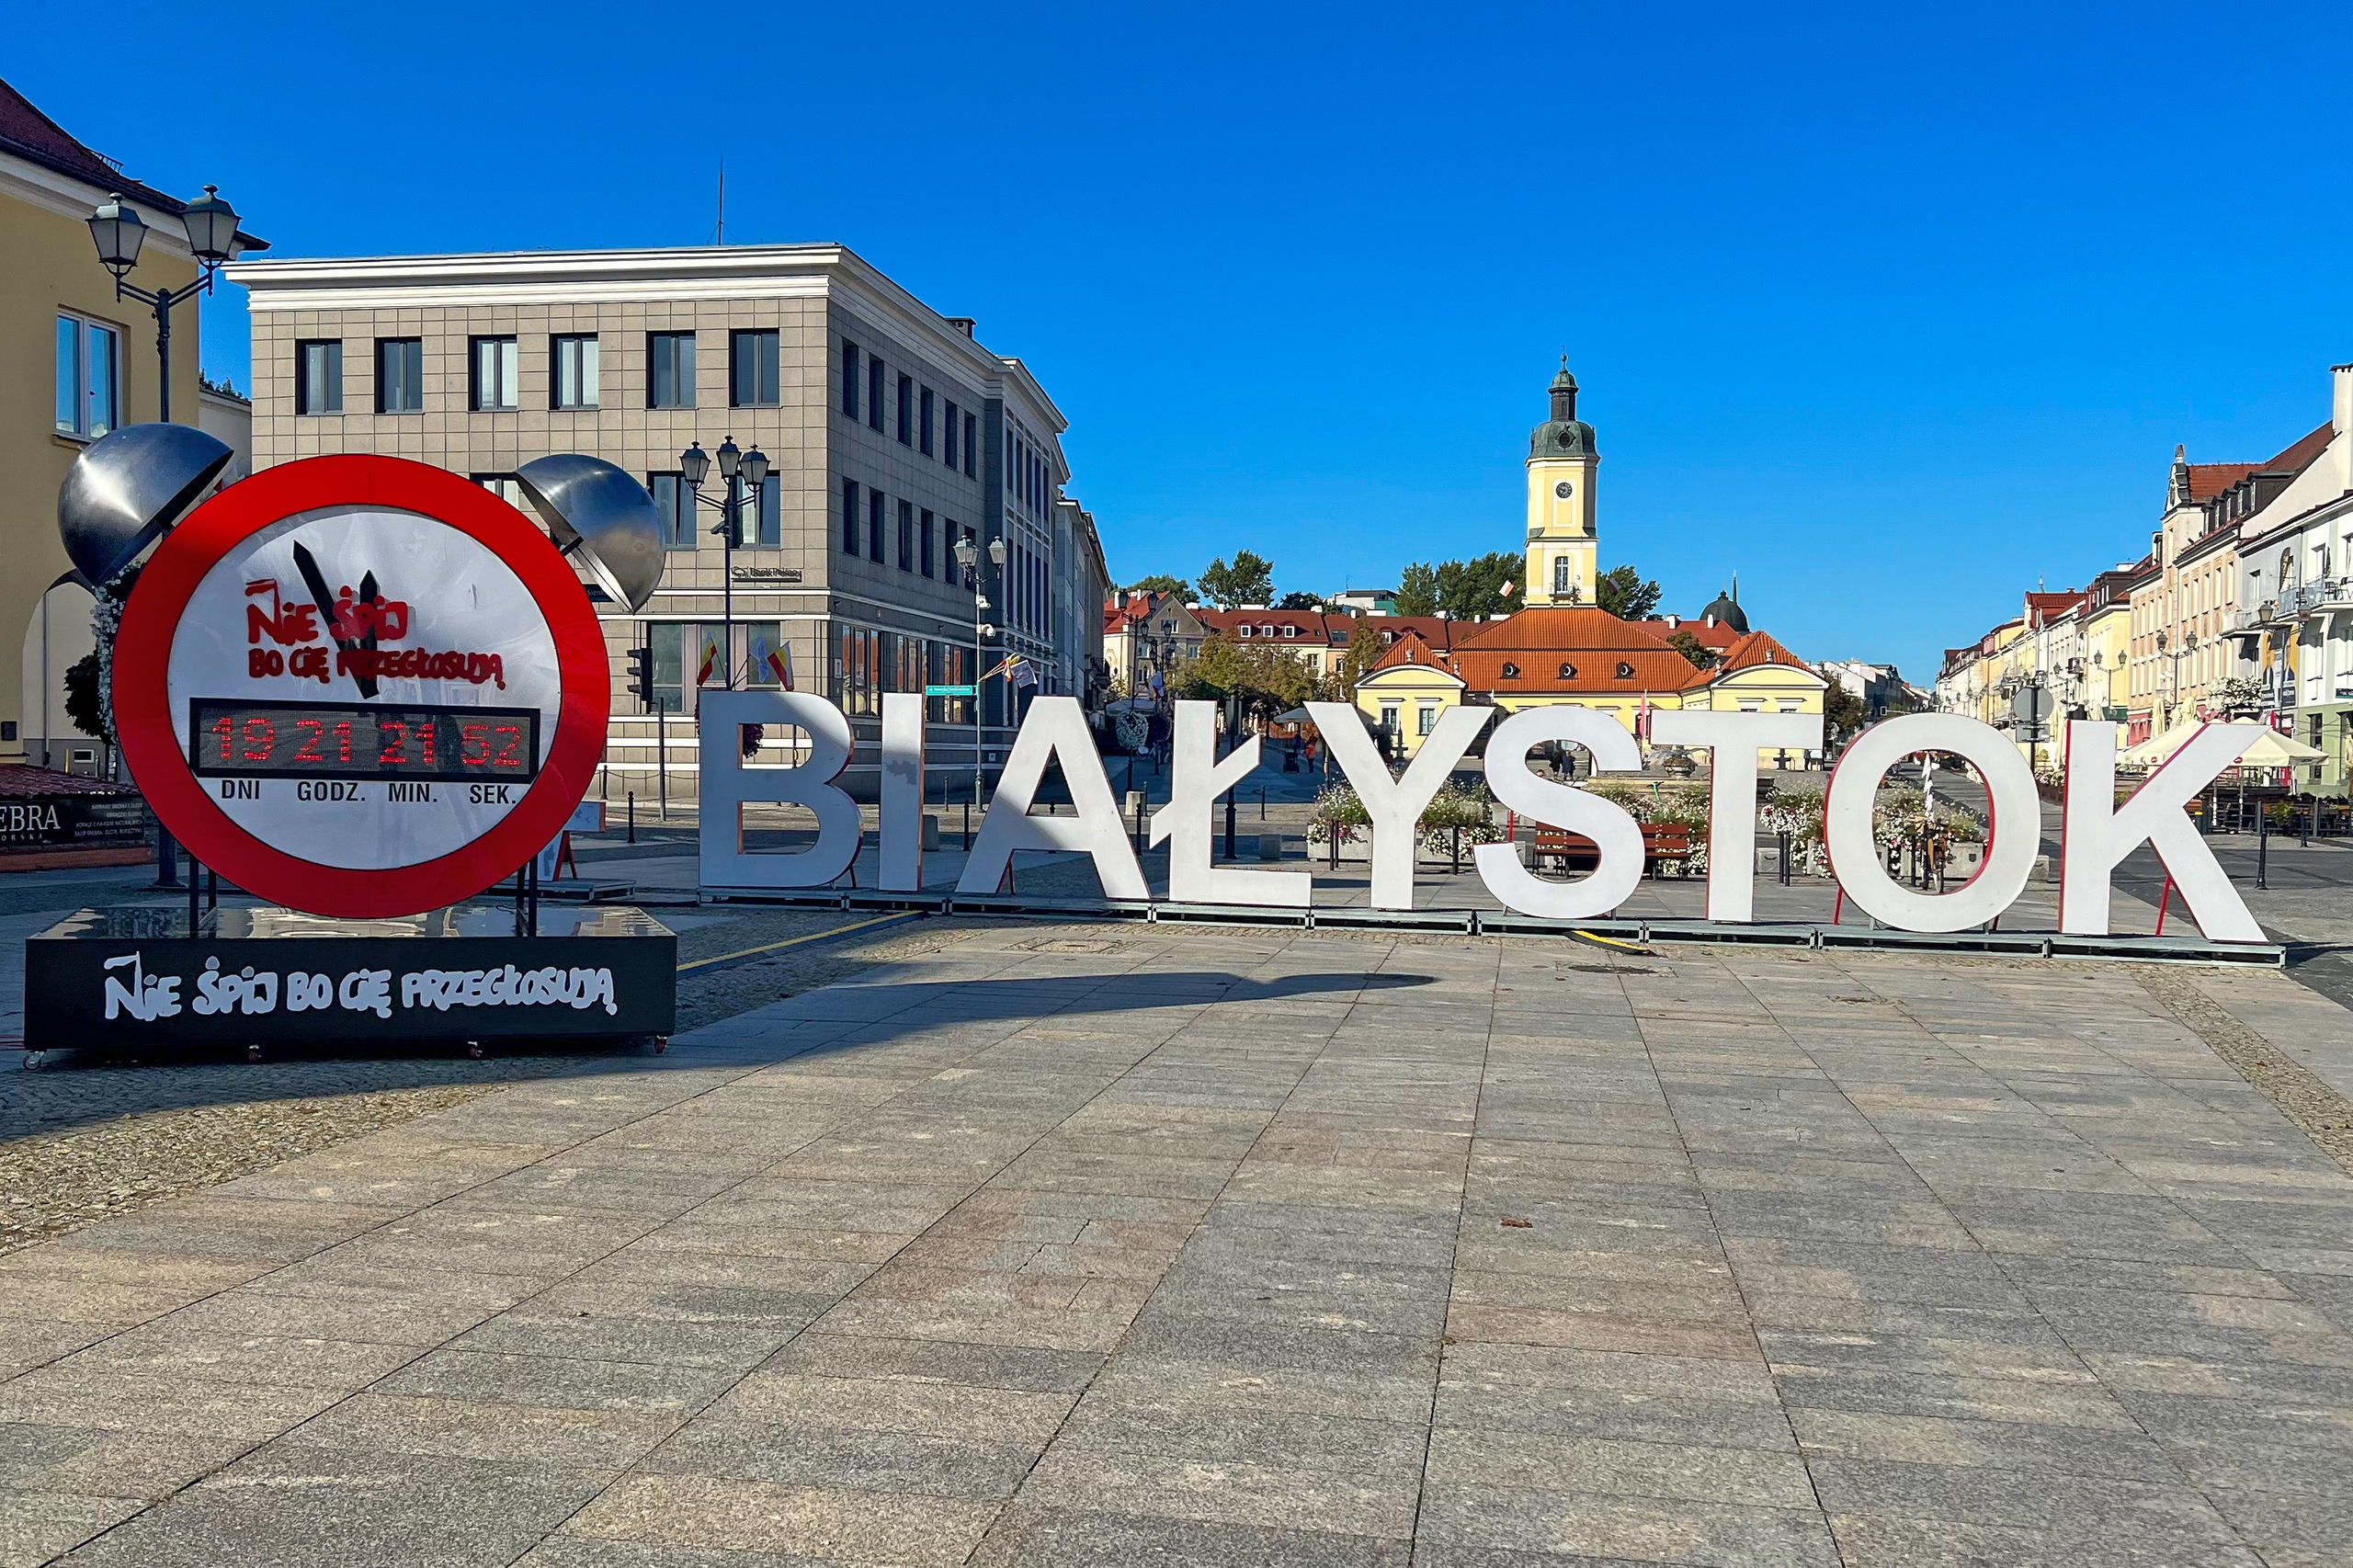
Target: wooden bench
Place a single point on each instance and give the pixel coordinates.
(1575, 852)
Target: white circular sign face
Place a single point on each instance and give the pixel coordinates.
(363, 688)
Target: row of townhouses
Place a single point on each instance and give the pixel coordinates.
(2243, 607)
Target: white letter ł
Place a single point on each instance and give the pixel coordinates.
(1199, 779)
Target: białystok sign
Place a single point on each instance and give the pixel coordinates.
(2098, 832)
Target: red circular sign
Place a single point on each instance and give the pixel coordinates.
(361, 750)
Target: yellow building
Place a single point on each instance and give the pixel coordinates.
(79, 363)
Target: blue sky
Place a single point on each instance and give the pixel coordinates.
(1892, 310)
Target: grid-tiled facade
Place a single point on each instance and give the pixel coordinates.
(891, 433)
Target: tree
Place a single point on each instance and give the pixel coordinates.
(1418, 590)
(1702, 657)
(1364, 651)
(1249, 581)
(2237, 697)
(1268, 680)
(1842, 712)
(1296, 600)
(1623, 594)
(1481, 586)
(1162, 583)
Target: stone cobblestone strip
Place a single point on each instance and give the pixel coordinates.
(2318, 1111)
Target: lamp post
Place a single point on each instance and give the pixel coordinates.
(968, 557)
(120, 232)
(752, 469)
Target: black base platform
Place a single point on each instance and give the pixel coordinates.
(136, 979)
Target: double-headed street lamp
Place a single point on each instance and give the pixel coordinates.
(120, 234)
(752, 469)
(213, 237)
(968, 557)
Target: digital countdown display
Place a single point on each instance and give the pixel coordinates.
(360, 686)
(326, 740)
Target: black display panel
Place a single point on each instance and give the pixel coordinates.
(335, 740)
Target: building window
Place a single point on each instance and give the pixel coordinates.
(1426, 719)
(924, 556)
(1511, 671)
(89, 377)
(399, 375)
(1625, 670)
(972, 440)
(849, 516)
(670, 370)
(675, 503)
(574, 385)
(874, 506)
(765, 512)
(1389, 717)
(1568, 670)
(907, 411)
(1246, 629)
(753, 373)
(948, 429)
(849, 378)
(923, 423)
(906, 536)
(496, 368)
(1560, 574)
(318, 377)
(506, 486)
(874, 391)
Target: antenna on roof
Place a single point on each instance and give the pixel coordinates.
(722, 238)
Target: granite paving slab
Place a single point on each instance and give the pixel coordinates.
(1049, 1247)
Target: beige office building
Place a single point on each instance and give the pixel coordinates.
(892, 433)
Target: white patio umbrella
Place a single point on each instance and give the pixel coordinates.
(2272, 749)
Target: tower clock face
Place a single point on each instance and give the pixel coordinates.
(1563, 489)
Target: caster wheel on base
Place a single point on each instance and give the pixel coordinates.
(661, 1044)
(473, 1050)
(33, 1060)
(253, 1053)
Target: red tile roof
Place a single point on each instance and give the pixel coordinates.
(1411, 648)
(1716, 634)
(1314, 628)
(1433, 630)
(1756, 648)
(2210, 480)
(2300, 457)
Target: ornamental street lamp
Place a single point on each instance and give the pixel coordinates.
(740, 471)
(119, 234)
(968, 557)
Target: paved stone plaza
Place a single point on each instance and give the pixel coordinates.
(1083, 1244)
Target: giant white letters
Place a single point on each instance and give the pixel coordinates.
(1395, 805)
(1732, 741)
(1198, 779)
(2098, 832)
(1055, 730)
(727, 785)
(899, 821)
(2013, 825)
(1618, 837)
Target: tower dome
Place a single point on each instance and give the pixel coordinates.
(1564, 435)
(1725, 610)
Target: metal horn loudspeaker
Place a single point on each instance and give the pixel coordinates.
(127, 488)
(602, 516)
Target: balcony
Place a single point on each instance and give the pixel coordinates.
(2325, 596)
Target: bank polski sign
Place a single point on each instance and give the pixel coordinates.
(2098, 832)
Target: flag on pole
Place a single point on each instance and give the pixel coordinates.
(780, 661)
(710, 662)
(1019, 668)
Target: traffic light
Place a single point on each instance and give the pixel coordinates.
(641, 673)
